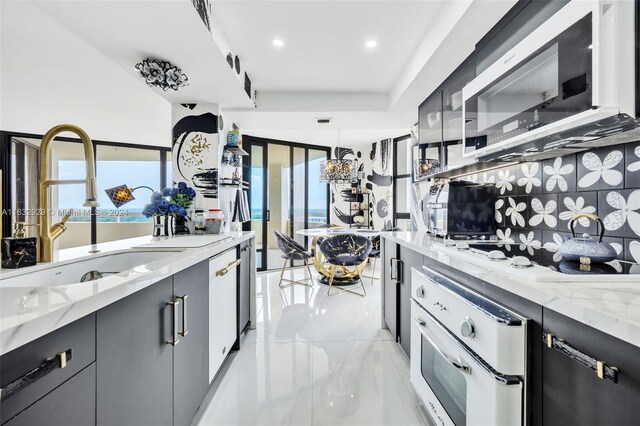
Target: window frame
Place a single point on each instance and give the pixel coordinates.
(400, 215)
(6, 168)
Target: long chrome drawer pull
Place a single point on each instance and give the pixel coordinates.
(457, 364)
(224, 271)
(493, 310)
(60, 360)
(174, 307)
(184, 331)
(602, 370)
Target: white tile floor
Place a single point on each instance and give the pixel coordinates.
(315, 360)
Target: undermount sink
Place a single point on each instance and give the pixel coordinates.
(71, 273)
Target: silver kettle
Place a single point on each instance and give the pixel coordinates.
(587, 249)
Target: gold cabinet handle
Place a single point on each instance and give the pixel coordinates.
(184, 331)
(174, 307)
(224, 271)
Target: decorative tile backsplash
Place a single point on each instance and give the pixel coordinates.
(536, 200)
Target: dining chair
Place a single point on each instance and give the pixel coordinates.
(344, 251)
(291, 250)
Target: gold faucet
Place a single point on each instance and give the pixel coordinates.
(48, 233)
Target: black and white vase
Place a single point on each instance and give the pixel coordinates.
(180, 225)
(162, 226)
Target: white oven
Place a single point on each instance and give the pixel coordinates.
(468, 354)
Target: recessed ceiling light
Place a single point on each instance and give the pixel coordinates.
(278, 42)
(370, 44)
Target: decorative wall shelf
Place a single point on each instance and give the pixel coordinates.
(128, 32)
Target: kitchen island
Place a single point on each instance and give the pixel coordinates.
(152, 320)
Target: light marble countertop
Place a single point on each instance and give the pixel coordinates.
(29, 311)
(609, 304)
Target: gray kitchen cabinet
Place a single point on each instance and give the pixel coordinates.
(244, 286)
(34, 370)
(409, 259)
(134, 360)
(71, 404)
(572, 392)
(390, 288)
(191, 355)
(398, 261)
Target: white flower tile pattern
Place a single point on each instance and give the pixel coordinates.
(499, 207)
(635, 166)
(572, 204)
(529, 243)
(600, 171)
(632, 169)
(543, 213)
(542, 197)
(559, 175)
(504, 236)
(634, 251)
(505, 181)
(624, 211)
(515, 212)
(530, 179)
(554, 245)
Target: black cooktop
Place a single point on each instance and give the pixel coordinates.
(553, 260)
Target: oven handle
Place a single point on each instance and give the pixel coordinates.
(420, 323)
(500, 378)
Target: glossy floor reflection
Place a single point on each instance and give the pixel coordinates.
(315, 360)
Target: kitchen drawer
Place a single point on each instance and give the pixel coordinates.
(71, 404)
(79, 337)
(494, 326)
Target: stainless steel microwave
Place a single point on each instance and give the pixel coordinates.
(574, 72)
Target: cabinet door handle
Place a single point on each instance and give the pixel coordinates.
(184, 331)
(57, 361)
(174, 307)
(224, 271)
(601, 368)
(393, 268)
(396, 266)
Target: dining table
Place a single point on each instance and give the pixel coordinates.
(343, 276)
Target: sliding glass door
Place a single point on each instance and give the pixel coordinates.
(285, 194)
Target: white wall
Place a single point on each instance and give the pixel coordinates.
(50, 76)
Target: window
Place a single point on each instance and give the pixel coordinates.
(116, 164)
(402, 183)
(134, 167)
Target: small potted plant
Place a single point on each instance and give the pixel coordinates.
(183, 196)
(163, 211)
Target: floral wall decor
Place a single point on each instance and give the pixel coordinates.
(162, 74)
(536, 200)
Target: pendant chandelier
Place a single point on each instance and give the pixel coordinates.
(425, 167)
(339, 170)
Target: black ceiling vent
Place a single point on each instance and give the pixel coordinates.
(323, 120)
